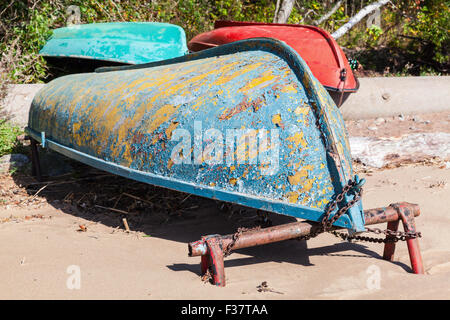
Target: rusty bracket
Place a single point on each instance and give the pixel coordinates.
(407, 218)
(211, 248)
(213, 260)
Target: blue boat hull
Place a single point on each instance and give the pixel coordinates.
(245, 123)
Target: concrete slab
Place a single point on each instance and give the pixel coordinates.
(391, 96)
(18, 101)
(376, 97)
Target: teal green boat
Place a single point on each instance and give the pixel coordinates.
(119, 42)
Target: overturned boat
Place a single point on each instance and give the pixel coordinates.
(246, 123)
(84, 47)
(316, 46)
(122, 42)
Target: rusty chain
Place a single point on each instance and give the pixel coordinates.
(235, 237)
(326, 223)
(391, 236)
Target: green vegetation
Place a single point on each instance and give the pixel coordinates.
(8, 138)
(412, 39)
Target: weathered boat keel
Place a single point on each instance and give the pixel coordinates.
(213, 248)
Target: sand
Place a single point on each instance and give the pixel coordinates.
(37, 252)
(43, 251)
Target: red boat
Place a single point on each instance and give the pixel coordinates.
(320, 51)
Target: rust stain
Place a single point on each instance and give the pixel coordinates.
(169, 164)
(170, 128)
(157, 137)
(138, 138)
(242, 106)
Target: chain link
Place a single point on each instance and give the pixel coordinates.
(235, 237)
(326, 223)
(353, 186)
(391, 236)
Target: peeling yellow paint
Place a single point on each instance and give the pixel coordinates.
(227, 78)
(301, 110)
(263, 81)
(289, 89)
(307, 185)
(161, 116)
(292, 196)
(299, 175)
(298, 139)
(276, 120)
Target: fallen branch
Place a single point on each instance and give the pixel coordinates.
(125, 223)
(118, 10)
(138, 198)
(112, 209)
(328, 14)
(34, 196)
(357, 18)
(306, 15)
(56, 182)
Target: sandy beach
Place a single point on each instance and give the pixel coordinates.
(48, 237)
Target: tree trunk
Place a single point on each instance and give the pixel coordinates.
(284, 12)
(329, 13)
(277, 8)
(355, 19)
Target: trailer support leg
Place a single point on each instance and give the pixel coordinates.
(407, 218)
(389, 248)
(213, 261)
(211, 248)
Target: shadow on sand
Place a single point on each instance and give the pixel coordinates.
(101, 197)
